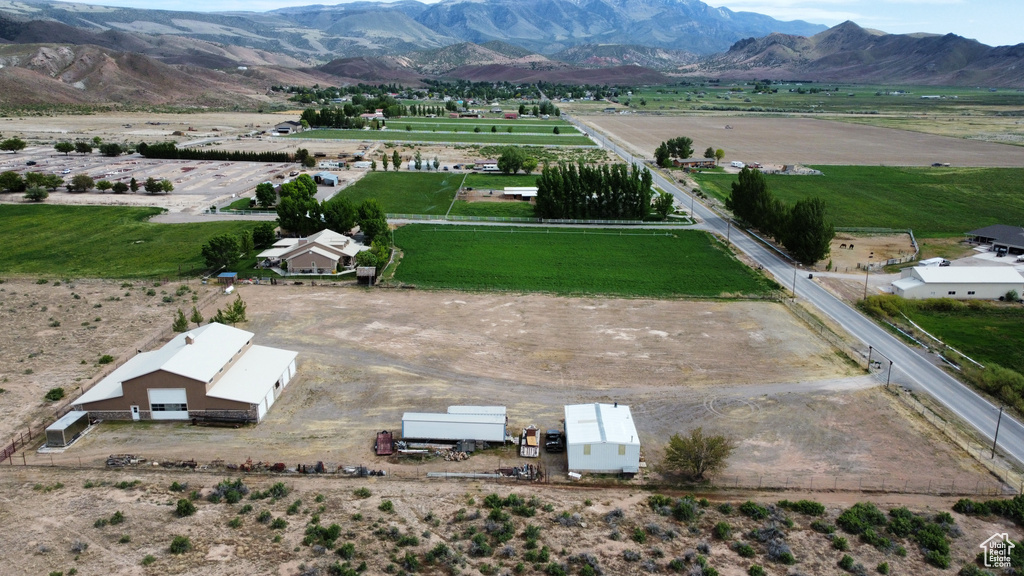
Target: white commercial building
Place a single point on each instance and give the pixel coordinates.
(958, 282)
(601, 438)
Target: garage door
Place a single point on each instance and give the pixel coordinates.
(168, 404)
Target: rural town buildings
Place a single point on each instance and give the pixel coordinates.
(213, 372)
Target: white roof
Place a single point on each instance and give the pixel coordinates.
(904, 284)
(476, 410)
(66, 420)
(968, 275)
(215, 345)
(253, 375)
(325, 242)
(600, 424)
(452, 418)
(274, 252)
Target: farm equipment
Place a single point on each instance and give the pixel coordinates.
(529, 442)
(385, 445)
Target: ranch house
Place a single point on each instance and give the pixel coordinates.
(322, 253)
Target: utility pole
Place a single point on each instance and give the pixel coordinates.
(996, 439)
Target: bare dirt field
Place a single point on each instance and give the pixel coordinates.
(798, 410)
(848, 250)
(53, 522)
(55, 335)
(805, 141)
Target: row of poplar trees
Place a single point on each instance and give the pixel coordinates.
(594, 192)
(804, 230)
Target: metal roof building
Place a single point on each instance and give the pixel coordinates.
(958, 282)
(432, 426)
(601, 438)
(211, 372)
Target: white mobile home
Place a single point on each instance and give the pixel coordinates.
(431, 426)
(958, 282)
(601, 438)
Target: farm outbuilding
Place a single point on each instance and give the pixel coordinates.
(325, 179)
(67, 428)
(431, 426)
(213, 372)
(601, 438)
(958, 282)
(1000, 236)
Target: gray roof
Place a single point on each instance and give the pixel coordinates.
(1003, 234)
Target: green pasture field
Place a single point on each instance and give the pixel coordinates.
(493, 181)
(931, 201)
(103, 242)
(484, 137)
(468, 124)
(973, 330)
(510, 209)
(849, 99)
(406, 192)
(630, 262)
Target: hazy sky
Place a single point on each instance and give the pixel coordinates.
(993, 22)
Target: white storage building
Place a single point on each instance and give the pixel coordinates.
(958, 282)
(601, 438)
(432, 426)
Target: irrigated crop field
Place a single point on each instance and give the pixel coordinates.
(406, 192)
(931, 201)
(525, 125)
(628, 262)
(520, 136)
(102, 242)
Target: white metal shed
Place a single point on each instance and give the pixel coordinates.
(67, 428)
(430, 426)
(476, 410)
(601, 438)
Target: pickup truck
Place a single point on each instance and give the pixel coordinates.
(554, 441)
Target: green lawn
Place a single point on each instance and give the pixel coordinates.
(510, 209)
(102, 242)
(485, 137)
(406, 192)
(469, 124)
(974, 331)
(572, 261)
(494, 181)
(931, 201)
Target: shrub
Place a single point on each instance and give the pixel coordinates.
(347, 550)
(808, 507)
(175, 487)
(386, 506)
(725, 508)
(148, 559)
(754, 511)
(117, 518)
(755, 570)
(860, 517)
(639, 536)
(840, 543)
(230, 490)
(743, 549)
(54, 394)
(846, 562)
(105, 359)
(264, 517)
(823, 527)
(630, 555)
(363, 492)
(883, 568)
(180, 545)
(294, 508)
(185, 508)
(279, 524)
(235, 522)
(722, 531)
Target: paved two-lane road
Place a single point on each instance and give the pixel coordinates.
(909, 368)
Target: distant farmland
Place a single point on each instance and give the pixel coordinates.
(406, 192)
(931, 201)
(573, 261)
(485, 136)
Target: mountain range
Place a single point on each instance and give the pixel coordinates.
(54, 52)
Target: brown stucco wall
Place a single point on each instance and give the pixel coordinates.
(310, 260)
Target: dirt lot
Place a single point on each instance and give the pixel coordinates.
(805, 141)
(54, 336)
(799, 410)
(36, 543)
(849, 250)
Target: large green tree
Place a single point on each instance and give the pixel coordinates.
(36, 194)
(266, 196)
(11, 181)
(809, 232)
(83, 147)
(697, 455)
(81, 183)
(221, 251)
(263, 234)
(12, 145)
(511, 160)
(64, 148)
(340, 214)
(372, 220)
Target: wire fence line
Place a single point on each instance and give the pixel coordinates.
(858, 355)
